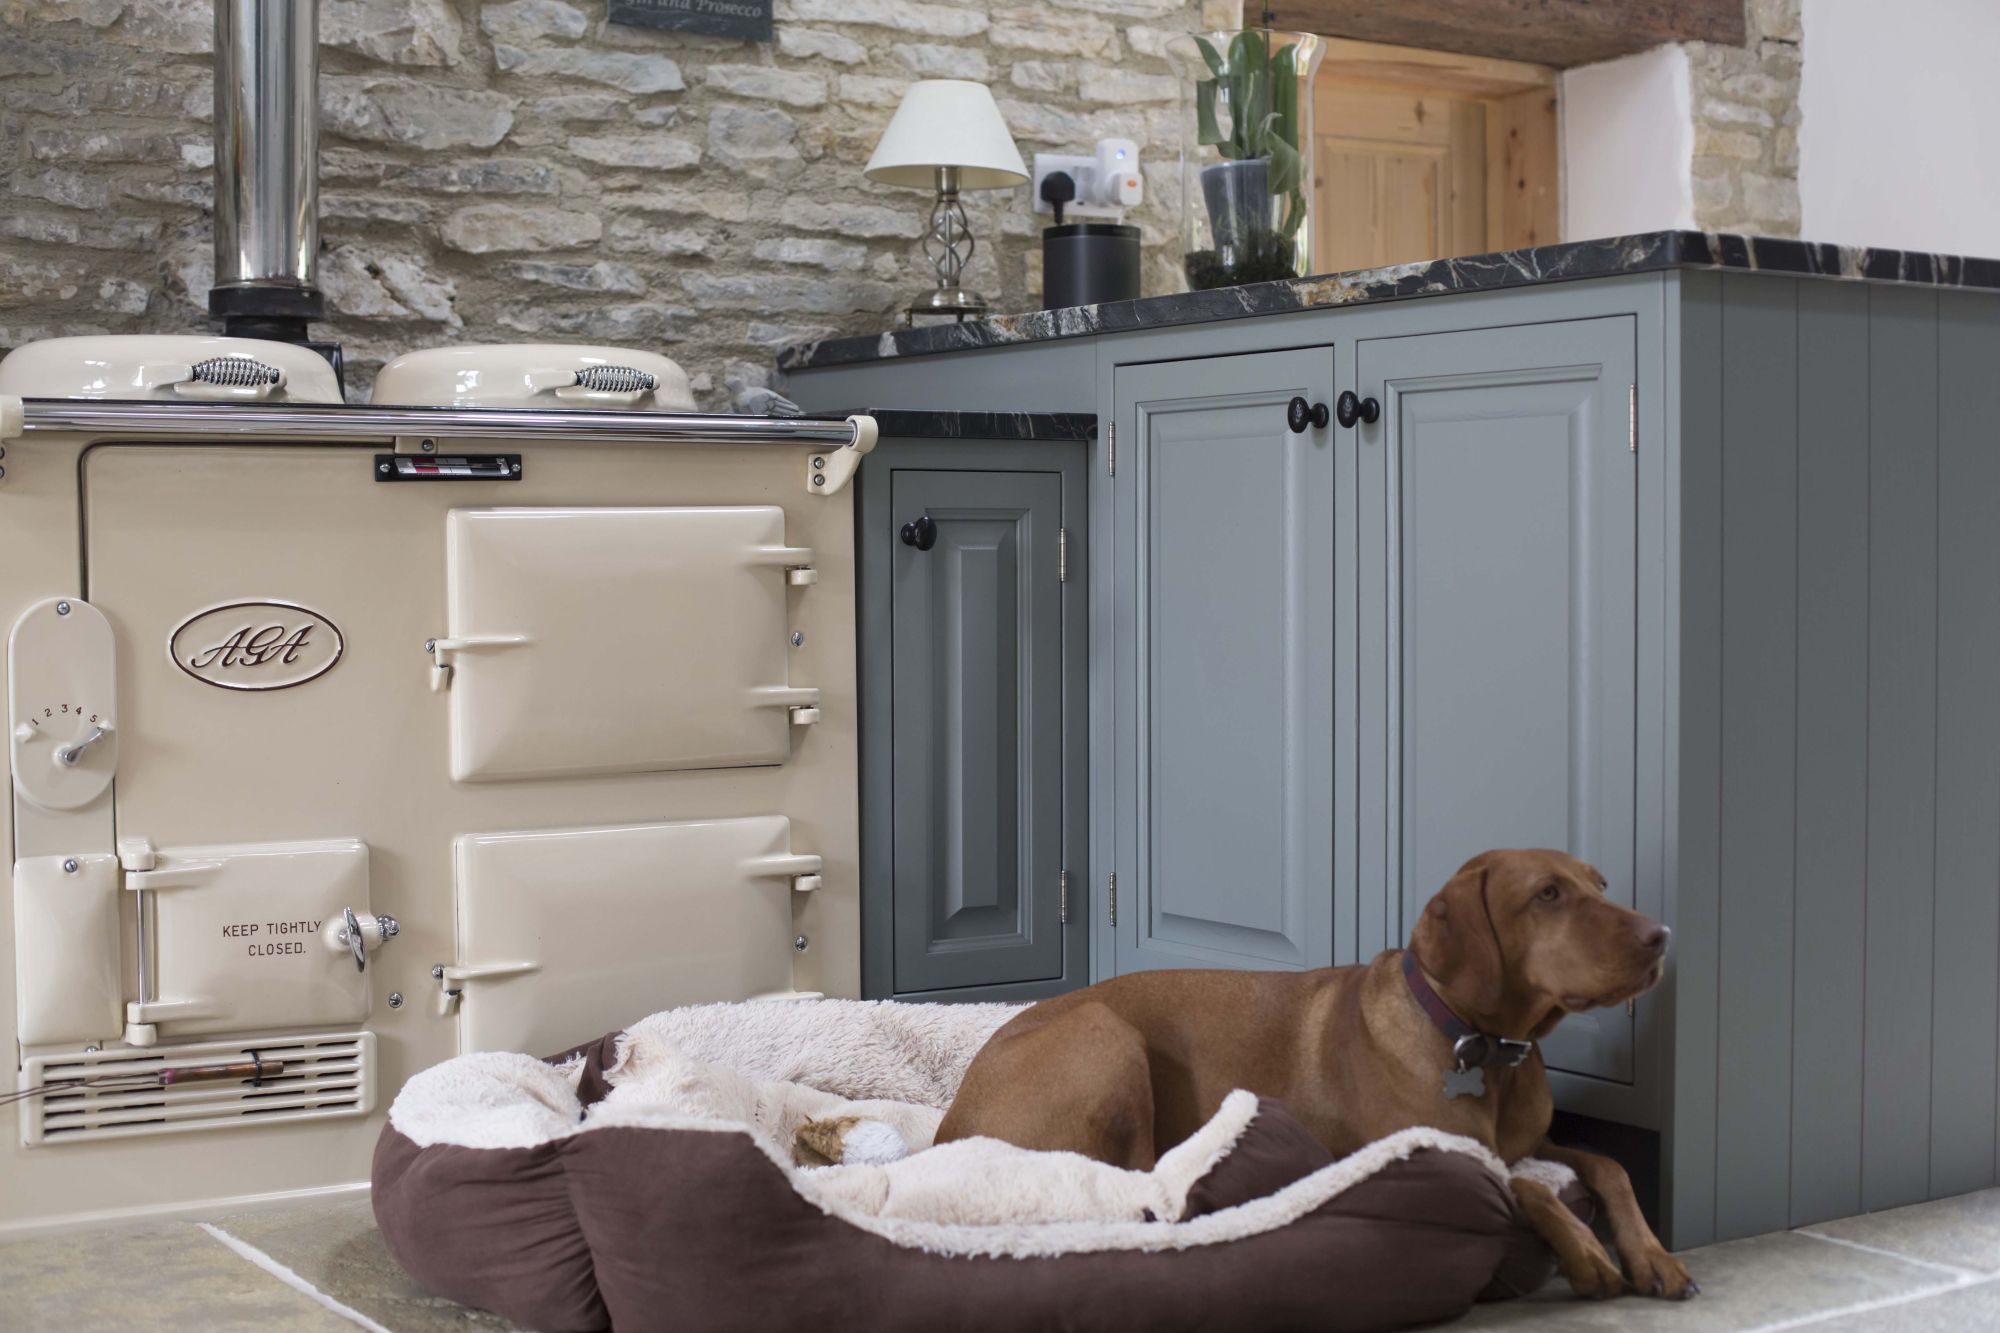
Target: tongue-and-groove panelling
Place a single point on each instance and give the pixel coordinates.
(1964, 1118)
(1840, 819)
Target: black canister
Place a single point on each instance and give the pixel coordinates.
(1088, 263)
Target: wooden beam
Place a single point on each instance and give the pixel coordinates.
(1549, 32)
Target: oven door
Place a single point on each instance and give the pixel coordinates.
(619, 640)
(237, 937)
(567, 934)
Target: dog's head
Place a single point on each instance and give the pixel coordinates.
(1517, 939)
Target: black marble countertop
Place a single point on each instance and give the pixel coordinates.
(1646, 253)
(926, 424)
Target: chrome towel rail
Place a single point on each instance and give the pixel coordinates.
(368, 424)
(837, 446)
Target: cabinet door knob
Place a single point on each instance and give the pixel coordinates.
(920, 533)
(1350, 408)
(1299, 414)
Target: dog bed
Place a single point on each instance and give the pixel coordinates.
(651, 1181)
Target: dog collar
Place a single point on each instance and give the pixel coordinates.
(1470, 1047)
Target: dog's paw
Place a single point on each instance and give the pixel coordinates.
(1593, 1274)
(1656, 1273)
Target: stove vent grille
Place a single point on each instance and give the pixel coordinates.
(326, 1076)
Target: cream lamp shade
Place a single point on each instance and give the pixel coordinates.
(947, 123)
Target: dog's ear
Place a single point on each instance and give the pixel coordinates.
(1454, 941)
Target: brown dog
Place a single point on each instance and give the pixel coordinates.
(1123, 1070)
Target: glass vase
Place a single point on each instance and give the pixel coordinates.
(1246, 137)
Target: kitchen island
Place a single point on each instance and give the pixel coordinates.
(1674, 550)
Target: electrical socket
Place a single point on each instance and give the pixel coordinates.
(1107, 182)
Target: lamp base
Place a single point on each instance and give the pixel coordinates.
(957, 302)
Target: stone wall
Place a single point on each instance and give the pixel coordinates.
(527, 171)
(1746, 125)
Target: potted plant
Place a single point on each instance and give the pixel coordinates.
(1246, 177)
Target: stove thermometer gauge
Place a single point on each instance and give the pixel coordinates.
(61, 690)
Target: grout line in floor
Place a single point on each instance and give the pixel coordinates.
(1869, 1307)
(1969, 1274)
(245, 1250)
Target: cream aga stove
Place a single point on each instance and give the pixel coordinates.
(344, 739)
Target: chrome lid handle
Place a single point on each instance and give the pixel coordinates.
(237, 372)
(616, 379)
(225, 377)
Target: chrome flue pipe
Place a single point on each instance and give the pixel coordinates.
(266, 166)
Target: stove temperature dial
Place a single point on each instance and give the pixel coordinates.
(61, 693)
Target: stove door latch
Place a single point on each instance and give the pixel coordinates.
(442, 650)
(354, 932)
(451, 979)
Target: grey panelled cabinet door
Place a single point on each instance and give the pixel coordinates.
(1223, 665)
(1497, 562)
(977, 730)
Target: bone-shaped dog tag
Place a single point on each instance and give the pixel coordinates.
(1465, 1082)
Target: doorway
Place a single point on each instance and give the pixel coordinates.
(1421, 155)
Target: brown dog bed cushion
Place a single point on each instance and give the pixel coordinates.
(648, 1183)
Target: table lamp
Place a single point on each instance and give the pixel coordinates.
(948, 136)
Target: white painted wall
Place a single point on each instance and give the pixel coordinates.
(1627, 146)
(1899, 147)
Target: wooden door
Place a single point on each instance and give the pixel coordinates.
(1397, 177)
(1223, 665)
(1420, 155)
(1497, 568)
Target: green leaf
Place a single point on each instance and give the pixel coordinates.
(1206, 129)
(1242, 117)
(1295, 214)
(1256, 114)
(1285, 96)
(1209, 56)
(1286, 164)
(1239, 54)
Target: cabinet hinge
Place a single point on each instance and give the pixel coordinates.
(1111, 450)
(1632, 419)
(1114, 897)
(1062, 897)
(1062, 555)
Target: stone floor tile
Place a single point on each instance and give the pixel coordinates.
(334, 1245)
(1929, 1267)
(1963, 1232)
(1968, 1309)
(147, 1276)
(1744, 1284)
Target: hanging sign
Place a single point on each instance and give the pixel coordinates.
(749, 20)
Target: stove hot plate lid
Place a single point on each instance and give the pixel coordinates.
(535, 375)
(169, 367)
